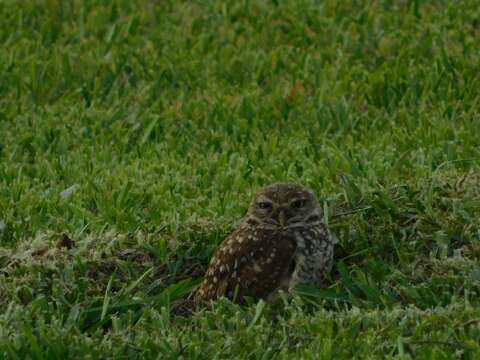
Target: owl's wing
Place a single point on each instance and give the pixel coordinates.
(250, 262)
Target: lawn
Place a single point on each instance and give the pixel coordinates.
(134, 133)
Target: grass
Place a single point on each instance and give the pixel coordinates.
(133, 134)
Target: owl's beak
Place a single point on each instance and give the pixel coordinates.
(282, 219)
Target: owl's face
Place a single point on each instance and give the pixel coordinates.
(284, 206)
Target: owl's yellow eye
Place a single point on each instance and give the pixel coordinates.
(298, 204)
(264, 205)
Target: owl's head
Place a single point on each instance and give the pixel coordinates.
(284, 206)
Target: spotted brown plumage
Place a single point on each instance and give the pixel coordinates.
(249, 263)
(282, 241)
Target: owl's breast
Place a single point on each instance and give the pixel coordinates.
(313, 257)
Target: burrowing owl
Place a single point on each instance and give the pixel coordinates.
(282, 241)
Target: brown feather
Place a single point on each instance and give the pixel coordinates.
(250, 262)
